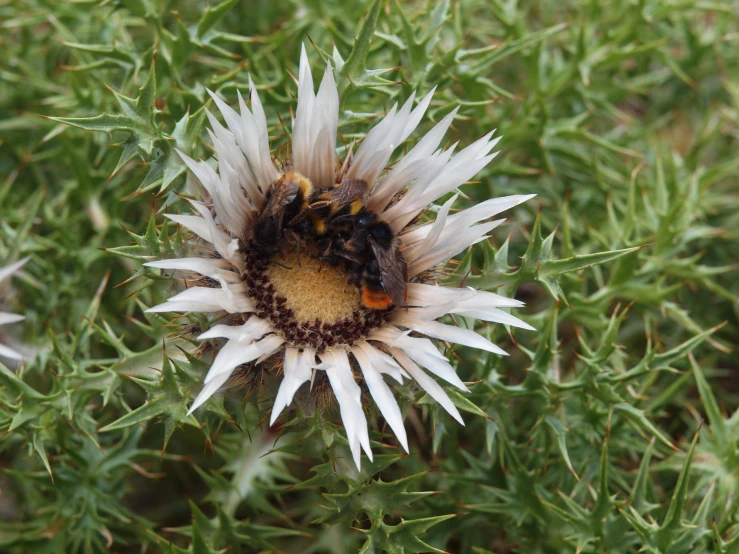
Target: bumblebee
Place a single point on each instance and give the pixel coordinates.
(342, 230)
(369, 251)
(344, 199)
(385, 275)
(285, 210)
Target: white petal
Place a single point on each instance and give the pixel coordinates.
(428, 144)
(349, 396)
(6, 318)
(315, 126)
(253, 173)
(250, 132)
(212, 183)
(235, 353)
(438, 301)
(226, 246)
(427, 295)
(210, 267)
(208, 391)
(416, 115)
(433, 234)
(297, 370)
(449, 245)
(450, 178)
(7, 271)
(452, 333)
(7, 352)
(466, 218)
(379, 144)
(423, 352)
(375, 150)
(397, 179)
(235, 210)
(494, 315)
(488, 209)
(327, 109)
(255, 328)
(195, 223)
(382, 396)
(291, 381)
(457, 171)
(206, 228)
(381, 361)
(233, 121)
(204, 299)
(267, 172)
(301, 142)
(427, 383)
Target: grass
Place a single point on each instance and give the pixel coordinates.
(613, 428)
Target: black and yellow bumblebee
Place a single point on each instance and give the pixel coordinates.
(351, 234)
(344, 231)
(286, 209)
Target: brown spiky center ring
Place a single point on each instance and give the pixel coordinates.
(308, 301)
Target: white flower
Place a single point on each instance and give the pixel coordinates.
(6, 317)
(311, 311)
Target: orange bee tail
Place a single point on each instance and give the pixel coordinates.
(375, 299)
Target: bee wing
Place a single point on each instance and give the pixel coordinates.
(283, 193)
(392, 270)
(348, 191)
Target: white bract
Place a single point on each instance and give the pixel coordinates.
(6, 317)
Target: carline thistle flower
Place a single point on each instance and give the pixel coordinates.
(7, 317)
(321, 264)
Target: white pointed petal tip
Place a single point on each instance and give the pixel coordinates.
(6, 318)
(7, 271)
(212, 333)
(276, 411)
(185, 158)
(7, 352)
(211, 94)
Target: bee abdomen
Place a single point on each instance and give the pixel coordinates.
(374, 295)
(375, 299)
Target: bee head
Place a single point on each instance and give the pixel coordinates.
(365, 220)
(382, 233)
(265, 233)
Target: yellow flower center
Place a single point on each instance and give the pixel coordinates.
(312, 302)
(313, 289)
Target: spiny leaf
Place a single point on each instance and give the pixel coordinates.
(137, 119)
(401, 538)
(639, 419)
(561, 433)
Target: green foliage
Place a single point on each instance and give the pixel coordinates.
(612, 428)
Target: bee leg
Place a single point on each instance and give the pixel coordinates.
(322, 246)
(294, 238)
(299, 217)
(274, 260)
(281, 265)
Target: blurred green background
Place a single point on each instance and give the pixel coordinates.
(613, 428)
